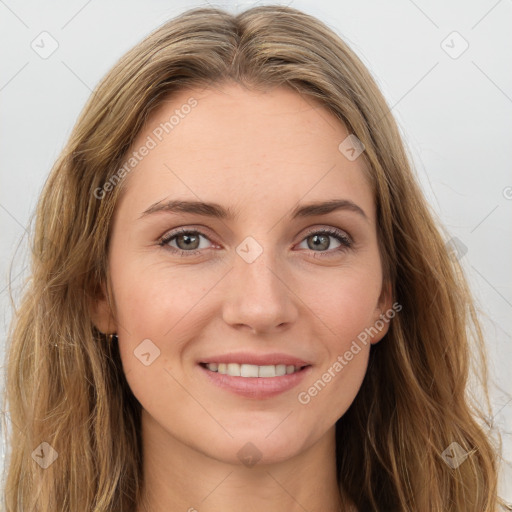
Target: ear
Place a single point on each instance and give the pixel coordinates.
(101, 312)
(382, 317)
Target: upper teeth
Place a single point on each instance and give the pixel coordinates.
(251, 370)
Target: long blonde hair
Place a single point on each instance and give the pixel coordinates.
(65, 384)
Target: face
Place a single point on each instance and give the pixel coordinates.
(267, 288)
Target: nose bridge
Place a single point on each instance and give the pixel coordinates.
(259, 296)
(257, 267)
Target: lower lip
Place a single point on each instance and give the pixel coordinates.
(256, 387)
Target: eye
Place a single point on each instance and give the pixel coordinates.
(320, 240)
(188, 242)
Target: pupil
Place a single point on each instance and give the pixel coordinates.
(318, 242)
(188, 239)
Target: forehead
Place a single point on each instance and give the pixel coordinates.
(244, 148)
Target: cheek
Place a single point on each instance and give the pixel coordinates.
(347, 303)
(346, 307)
(152, 299)
(164, 305)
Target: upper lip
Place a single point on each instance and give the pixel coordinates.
(256, 359)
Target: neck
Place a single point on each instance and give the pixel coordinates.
(179, 477)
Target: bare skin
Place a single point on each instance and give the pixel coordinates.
(260, 155)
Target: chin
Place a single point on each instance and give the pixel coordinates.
(250, 447)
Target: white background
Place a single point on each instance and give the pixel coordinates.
(455, 115)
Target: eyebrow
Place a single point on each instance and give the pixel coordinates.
(217, 211)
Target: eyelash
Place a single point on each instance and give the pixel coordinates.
(346, 242)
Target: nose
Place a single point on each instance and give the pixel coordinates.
(259, 296)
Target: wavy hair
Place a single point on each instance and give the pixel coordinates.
(65, 384)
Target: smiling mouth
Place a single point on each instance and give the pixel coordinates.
(252, 370)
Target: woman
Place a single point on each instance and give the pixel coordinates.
(239, 296)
